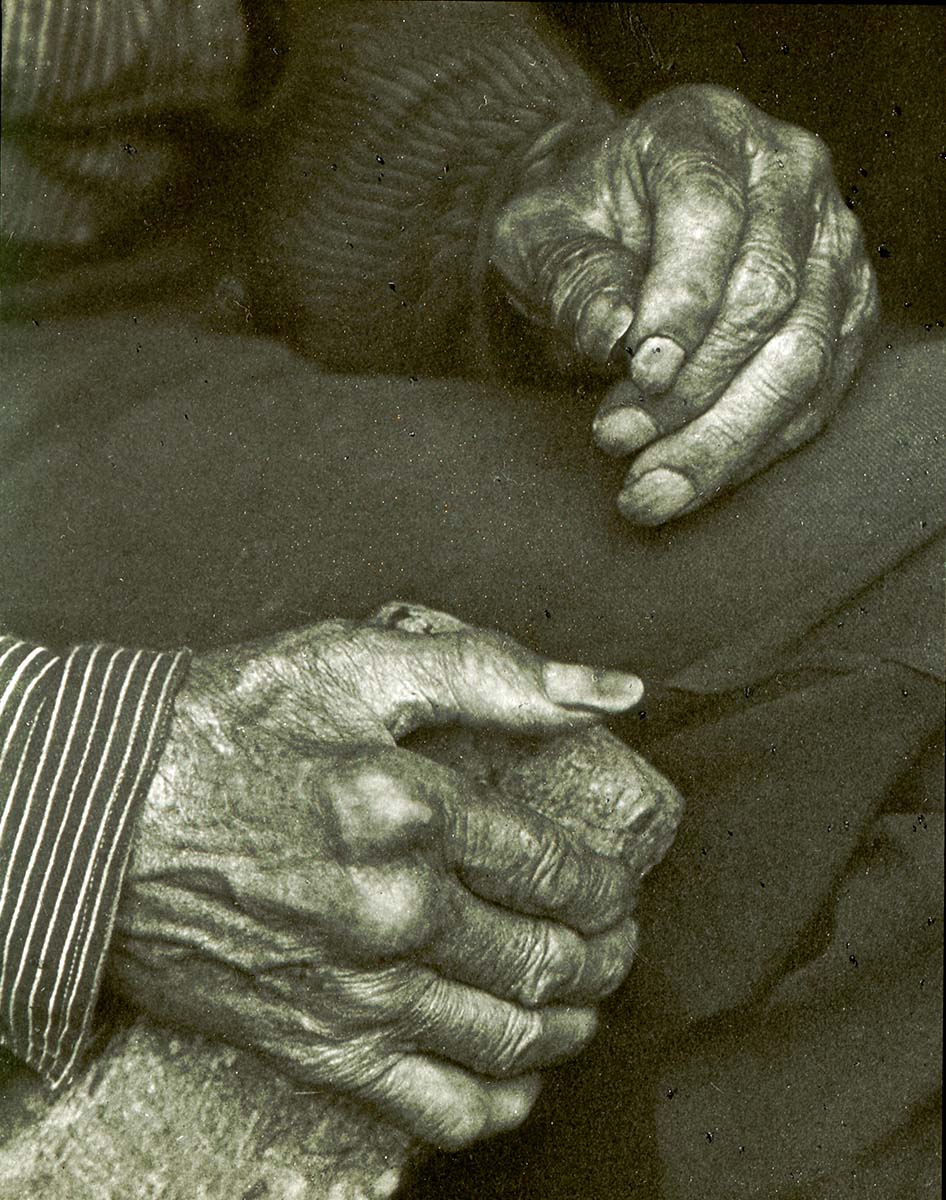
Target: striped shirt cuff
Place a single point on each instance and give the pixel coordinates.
(80, 734)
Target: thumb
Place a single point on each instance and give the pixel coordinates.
(436, 670)
(563, 273)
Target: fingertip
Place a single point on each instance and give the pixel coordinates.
(602, 324)
(656, 363)
(511, 1101)
(618, 946)
(612, 895)
(582, 688)
(585, 1025)
(618, 691)
(623, 430)
(568, 1029)
(656, 496)
(436, 1101)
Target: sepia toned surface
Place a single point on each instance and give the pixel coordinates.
(168, 1116)
(780, 1035)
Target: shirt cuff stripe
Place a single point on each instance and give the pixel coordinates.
(79, 740)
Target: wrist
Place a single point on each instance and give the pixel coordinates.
(196, 740)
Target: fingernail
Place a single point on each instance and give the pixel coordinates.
(656, 363)
(623, 430)
(601, 325)
(656, 496)
(572, 686)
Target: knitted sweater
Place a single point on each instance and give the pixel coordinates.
(363, 171)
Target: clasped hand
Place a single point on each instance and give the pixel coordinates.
(708, 241)
(367, 919)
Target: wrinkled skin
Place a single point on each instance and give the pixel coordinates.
(710, 243)
(365, 918)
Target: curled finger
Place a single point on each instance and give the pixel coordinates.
(856, 329)
(527, 959)
(568, 272)
(447, 1106)
(688, 467)
(513, 856)
(762, 288)
(696, 182)
(492, 1036)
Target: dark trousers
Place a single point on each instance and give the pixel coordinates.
(162, 483)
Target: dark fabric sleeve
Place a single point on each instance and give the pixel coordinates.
(80, 734)
(97, 98)
(396, 132)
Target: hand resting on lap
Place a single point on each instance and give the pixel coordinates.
(709, 242)
(365, 918)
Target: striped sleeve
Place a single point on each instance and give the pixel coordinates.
(80, 734)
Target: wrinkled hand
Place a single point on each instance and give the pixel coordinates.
(708, 240)
(369, 920)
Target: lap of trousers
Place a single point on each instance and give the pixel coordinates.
(163, 484)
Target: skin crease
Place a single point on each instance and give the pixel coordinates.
(709, 242)
(363, 917)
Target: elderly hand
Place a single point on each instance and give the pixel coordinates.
(710, 240)
(368, 920)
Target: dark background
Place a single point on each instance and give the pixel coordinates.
(869, 79)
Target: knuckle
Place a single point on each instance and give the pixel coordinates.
(705, 94)
(374, 803)
(704, 378)
(545, 969)
(617, 953)
(372, 778)
(724, 441)
(713, 189)
(549, 875)
(347, 767)
(689, 101)
(373, 1003)
(616, 966)
(404, 616)
(696, 293)
(518, 1043)
(397, 911)
(765, 288)
(805, 353)
(813, 150)
(608, 894)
